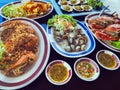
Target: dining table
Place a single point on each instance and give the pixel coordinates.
(107, 80)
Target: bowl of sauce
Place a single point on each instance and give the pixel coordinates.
(108, 60)
(58, 72)
(86, 69)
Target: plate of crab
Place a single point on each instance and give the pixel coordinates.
(69, 37)
(24, 52)
(105, 28)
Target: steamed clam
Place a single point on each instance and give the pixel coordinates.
(86, 7)
(78, 8)
(67, 33)
(62, 2)
(74, 2)
(67, 8)
(83, 1)
(73, 42)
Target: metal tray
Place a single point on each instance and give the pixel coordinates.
(73, 13)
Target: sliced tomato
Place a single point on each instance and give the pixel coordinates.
(104, 36)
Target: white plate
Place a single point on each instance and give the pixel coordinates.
(117, 65)
(94, 65)
(69, 69)
(38, 67)
(90, 45)
(17, 3)
(105, 43)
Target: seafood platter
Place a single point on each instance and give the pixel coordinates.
(105, 28)
(76, 7)
(69, 37)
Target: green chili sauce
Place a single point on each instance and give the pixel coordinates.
(106, 60)
(58, 72)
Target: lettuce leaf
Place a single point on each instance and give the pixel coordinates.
(116, 44)
(56, 21)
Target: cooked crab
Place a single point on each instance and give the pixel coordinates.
(106, 27)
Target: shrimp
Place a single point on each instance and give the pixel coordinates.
(21, 44)
(25, 60)
(28, 58)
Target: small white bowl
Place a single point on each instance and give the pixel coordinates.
(89, 72)
(112, 55)
(65, 66)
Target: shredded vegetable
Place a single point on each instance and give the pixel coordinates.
(60, 22)
(95, 3)
(2, 49)
(12, 11)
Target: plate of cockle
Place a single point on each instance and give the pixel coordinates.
(69, 37)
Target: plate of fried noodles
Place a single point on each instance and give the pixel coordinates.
(24, 52)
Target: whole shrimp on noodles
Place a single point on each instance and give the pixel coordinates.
(17, 39)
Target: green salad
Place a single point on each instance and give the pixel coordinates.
(62, 22)
(116, 44)
(96, 4)
(12, 11)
